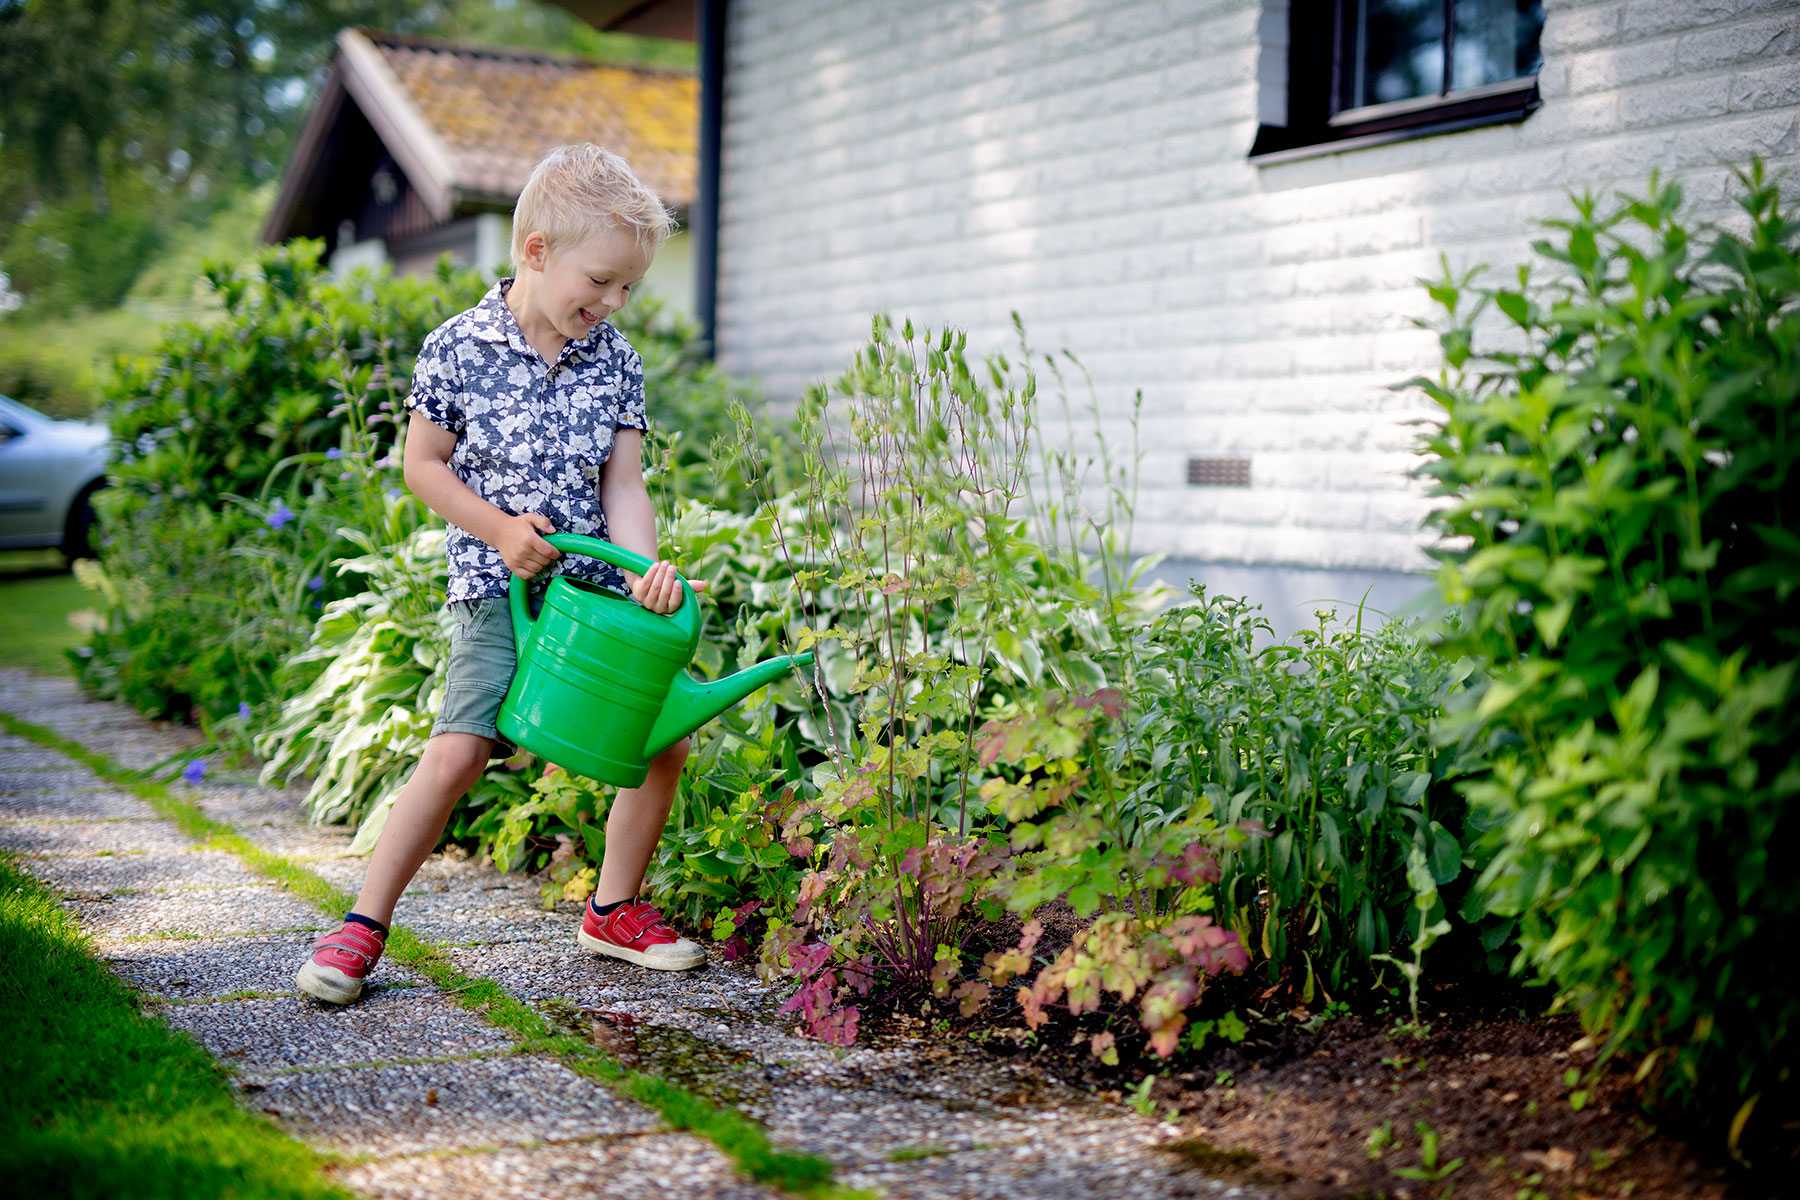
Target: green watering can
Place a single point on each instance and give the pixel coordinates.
(602, 686)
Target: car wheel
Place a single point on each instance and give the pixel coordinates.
(78, 536)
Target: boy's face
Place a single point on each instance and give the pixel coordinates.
(581, 285)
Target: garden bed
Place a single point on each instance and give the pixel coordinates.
(1295, 1109)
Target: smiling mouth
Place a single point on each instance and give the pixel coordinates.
(587, 316)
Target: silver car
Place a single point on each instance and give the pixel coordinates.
(49, 470)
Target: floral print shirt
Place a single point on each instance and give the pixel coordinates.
(531, 436)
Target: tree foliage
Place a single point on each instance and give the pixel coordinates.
(120, 118)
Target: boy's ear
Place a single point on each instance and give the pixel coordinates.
(536, 249)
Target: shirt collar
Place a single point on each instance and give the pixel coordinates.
(494, 322)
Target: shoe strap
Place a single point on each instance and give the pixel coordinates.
(355, 939)
(641, 923)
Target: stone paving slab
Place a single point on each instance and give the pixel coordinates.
(440, 874)
(123, 839)
(481, 915)
(415, 1108)
(17, 754)
(207, 912)
(78, 799)
(670, 1166)
(201, 968)
(1052, 1165)
(248, 804)
(132, 873)
(262, 1036)
(301, 842)
(552, 969)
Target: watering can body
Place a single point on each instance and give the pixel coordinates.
(602, 686)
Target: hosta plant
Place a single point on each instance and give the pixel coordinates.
(376, 663)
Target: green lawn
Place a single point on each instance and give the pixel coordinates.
(37, 594)
(100, 1101)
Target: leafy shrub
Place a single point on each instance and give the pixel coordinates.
(247, 445)
(1325, 741)
(1619, 478)
(220, 405)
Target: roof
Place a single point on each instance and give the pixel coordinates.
(467, 123)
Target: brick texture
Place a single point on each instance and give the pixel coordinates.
(1083, 162)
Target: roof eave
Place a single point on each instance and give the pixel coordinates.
(402, 129)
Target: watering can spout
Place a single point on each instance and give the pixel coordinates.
(691, 704)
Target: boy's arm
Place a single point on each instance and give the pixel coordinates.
(631, 523)
(426, 467)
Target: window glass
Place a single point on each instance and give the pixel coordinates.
(1496, 40)
(1394, 50)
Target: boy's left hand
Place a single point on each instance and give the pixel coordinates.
(659, 588)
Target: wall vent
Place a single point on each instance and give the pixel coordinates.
(1219, 472)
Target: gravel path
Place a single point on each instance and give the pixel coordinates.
(425, 1099)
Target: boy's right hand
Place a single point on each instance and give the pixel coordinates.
(520, 547)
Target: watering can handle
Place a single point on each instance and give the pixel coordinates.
(686, 617)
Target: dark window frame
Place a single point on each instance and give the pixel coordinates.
(1314, 35)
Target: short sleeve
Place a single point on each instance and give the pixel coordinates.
(437, 384)
(631, 413)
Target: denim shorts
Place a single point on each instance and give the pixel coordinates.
(482, 661)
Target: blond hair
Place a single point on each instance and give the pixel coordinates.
(575, 189)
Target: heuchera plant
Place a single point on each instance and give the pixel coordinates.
(1156, 946)
(885, 931)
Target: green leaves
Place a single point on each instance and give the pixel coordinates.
(1617, 525)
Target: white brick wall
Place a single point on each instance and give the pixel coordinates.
(1083, 162)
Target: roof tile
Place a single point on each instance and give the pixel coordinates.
(498, 111)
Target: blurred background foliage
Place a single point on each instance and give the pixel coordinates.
(138, 137)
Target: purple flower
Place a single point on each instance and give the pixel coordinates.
(393, 493)
(334, 453)
(195, 771)
(317, 605)
(243, 710)
(316, 583)
(281, 516)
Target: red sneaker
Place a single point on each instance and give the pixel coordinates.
(339, 963)
(637, 933)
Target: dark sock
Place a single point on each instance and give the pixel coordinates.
(359, 919)
(600, 910)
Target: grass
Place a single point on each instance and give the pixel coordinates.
(100, 1101)
(742, 1140)
(37, 594)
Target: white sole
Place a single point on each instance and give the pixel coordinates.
(658, 962)
(323, 983)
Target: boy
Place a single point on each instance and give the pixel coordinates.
(527, 419)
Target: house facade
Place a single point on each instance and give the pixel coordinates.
(1226, 205)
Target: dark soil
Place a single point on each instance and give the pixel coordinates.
(1341, 1106)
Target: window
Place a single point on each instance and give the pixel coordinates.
(1361, 72)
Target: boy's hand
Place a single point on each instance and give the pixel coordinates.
(523, 551)
(659, 588)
